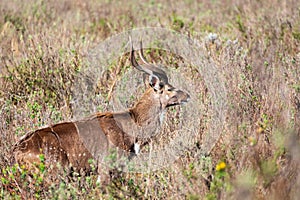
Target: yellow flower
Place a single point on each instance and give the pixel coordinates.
(221, 166)
(252, 140)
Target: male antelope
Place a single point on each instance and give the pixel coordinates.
(74, 143)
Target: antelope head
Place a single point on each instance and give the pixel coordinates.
(160, 93)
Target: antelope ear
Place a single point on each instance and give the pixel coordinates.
(152, 81)
(155, 83)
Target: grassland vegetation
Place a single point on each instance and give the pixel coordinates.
(255, 45)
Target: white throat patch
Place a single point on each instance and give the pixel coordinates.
(136, 148)
(162, 117)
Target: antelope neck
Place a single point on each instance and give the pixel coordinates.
(147, 109)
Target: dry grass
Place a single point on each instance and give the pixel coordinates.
(44, 45)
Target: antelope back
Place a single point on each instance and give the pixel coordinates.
(59, 143)
(73, 144)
